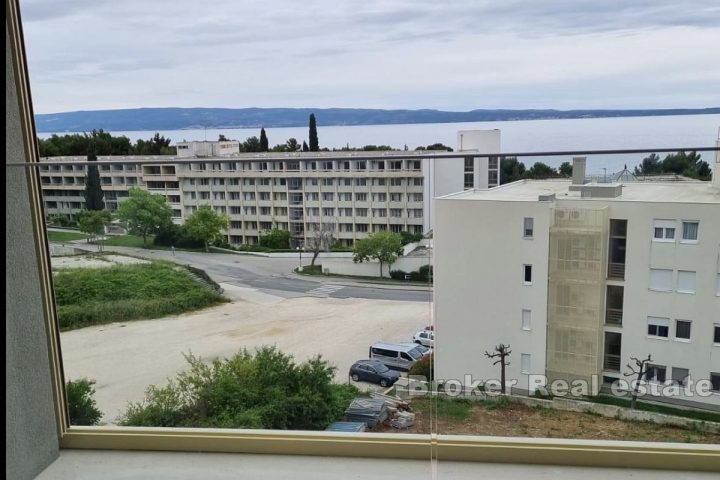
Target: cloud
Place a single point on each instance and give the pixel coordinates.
(389, 54)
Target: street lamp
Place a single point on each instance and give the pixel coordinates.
(299, 249)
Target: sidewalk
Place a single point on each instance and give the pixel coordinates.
(362, 282)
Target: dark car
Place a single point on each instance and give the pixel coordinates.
(373, 371)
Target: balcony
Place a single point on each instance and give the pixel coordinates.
(611, 363)
(616, 271)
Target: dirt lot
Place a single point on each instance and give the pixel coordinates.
(124, 358)
(522, 421)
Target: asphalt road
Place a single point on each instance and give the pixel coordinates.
(273, 276)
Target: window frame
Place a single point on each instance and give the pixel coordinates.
(379, 445)
(682, 232)
(683, 339)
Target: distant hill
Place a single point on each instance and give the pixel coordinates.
(188, 118)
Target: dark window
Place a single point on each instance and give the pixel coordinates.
(715, 380)
(682, 329)
(658, 330)
(716, 335)
(655, 373)
(528, 273)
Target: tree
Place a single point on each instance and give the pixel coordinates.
(93, 223)
(501, 353)
(320, 237)
(566, 169)
(511, 170)
(305, 147)
(275, 239)
(435, 146)
(206, 226)
(223, 138)
(640, 369)
(252, 144)
(650, 165)
(314, 144)
(93, 190)
(263, 141)
(385, 247)
(82, 407)
(144, 213)
(541, 170)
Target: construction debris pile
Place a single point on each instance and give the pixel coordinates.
(379, 408)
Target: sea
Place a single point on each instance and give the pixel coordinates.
(681, 132)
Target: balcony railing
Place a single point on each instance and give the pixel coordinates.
(612, 362)
(613, 316)
(616, 270)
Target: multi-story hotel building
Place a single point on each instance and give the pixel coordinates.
(352, 193)
(578, 278)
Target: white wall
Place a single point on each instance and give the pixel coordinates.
(479, 292)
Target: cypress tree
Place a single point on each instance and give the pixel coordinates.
(264, 147)
(305, 147)
(93, 190)
(314, 144)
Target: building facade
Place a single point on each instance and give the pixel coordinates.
(579, 279)
(351, 193)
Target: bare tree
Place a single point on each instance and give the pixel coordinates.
(320, 237)
(501, 352)
(640, 369)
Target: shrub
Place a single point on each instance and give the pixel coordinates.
(266, 389)
(275, 239)
(171, 235)
(397, 274)
(81, 404)
(424, 367)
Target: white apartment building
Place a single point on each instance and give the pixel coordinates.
(352, 193)
(578, 278)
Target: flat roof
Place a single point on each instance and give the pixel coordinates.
(640, 191)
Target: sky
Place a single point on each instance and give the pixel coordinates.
(453, 55)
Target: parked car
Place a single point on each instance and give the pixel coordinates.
(373, 371)
(395, 355)
(420, 348)
(425, 337)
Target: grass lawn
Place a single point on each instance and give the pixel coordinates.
(463, 417)
(129, 241)
(130, 292)
(64, 236)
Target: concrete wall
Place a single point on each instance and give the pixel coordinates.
(479, 292)
(31, 442)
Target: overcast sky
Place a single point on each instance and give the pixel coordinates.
(444, 54)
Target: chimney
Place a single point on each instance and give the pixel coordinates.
(578, 172)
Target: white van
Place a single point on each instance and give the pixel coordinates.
(397, 356)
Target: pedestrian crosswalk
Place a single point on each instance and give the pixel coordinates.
(324, 290)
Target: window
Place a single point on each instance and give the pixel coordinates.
(658, 327)
(690, 231)
(664, 231)
(396, 182)
(680, 375)
(361, 197)
(686, 282)
(656, 373)
(661, 280)
(682, 329)
(525, 363)
(528, 227)
(526, 314)
(716, 334)
(527, 274)
(715, 381)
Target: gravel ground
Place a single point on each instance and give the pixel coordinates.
(124, 358)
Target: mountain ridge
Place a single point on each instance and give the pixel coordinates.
(179, 118)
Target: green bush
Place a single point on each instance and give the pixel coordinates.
(171, 235)
(266, 389)
(424, 368)
(275, 239)
(130, 292)
(81, 404)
